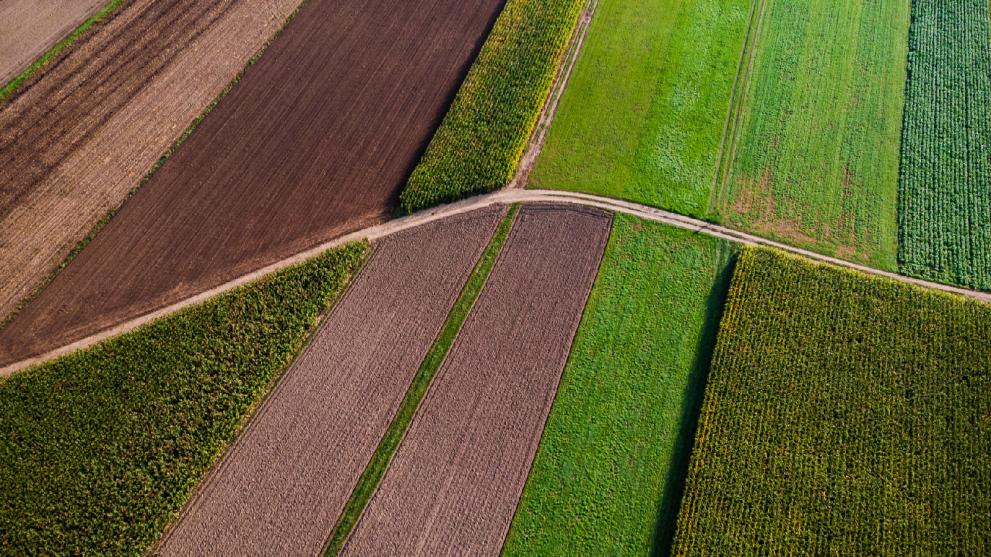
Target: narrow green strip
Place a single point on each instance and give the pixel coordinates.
(99, 16)
(370, 479)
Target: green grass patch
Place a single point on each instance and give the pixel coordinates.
(643, 115)
(945, 191)
(102, 448)
(10, 88)
(608, 475)
(844, 415)
(373, 473)
(484, 134)
(812, 158)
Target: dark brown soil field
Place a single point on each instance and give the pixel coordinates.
(281, 487)
(457, 476)
(314, 142)
(83, 132)
(28, 28)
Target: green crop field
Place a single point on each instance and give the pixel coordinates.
(486, 131)
(812, 157)
(607, 476)
(101, 449)
(643, 115)
(844, 415)
(945, 194)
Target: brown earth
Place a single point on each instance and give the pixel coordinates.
(315, 141)
(83, 132)
(456, 478)
(281, 487)
(28, 28)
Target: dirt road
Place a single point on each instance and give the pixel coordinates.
(28, 28)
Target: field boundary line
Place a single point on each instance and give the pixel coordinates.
(502, 197)
(549, 111)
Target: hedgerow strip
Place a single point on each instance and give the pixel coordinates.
(13, 85)
(376, 468)
(484, 134)
(101, 449)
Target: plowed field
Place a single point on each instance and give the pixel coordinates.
(315, 141)
(28, 28)
(456, 478)
(281, 487)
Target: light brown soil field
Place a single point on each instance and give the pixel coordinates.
(28, 28)
(456, 478)
(314, 142)
(85, 131)
(281, 487)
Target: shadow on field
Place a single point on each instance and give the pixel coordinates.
(667, 512)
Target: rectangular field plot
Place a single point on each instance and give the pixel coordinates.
(608, 475)
(643, 115)
(945, 195)
(457, 475)
(843, 415)
(811, 157)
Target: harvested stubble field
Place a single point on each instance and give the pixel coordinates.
(945, 194)
(81, 134)
(844, 415)
(314, 142)
(455, 480)
(282, 486)
(28, 28)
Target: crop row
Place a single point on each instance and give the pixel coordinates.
(945, 183)
(481, 140)
(843, 415)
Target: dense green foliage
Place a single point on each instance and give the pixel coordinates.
(484, 134)
(101, 449)
(844, 415)
(372, 475)
(643, 115)
(607, 478)
(945, 194)
(10, 88)
(812, 157)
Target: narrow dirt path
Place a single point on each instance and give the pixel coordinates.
(506, 196)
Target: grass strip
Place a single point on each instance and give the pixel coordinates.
(102, 448)
(13, 85)
(483, 136)
(376, 468)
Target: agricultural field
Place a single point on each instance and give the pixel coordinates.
(29, 28)
(811, 158)
(607, 478)
(101, 448)
(843, 415)
(323, 423)
(456, 477)
(945, 188)
(643, 115)
(276, 167)
(80, 134)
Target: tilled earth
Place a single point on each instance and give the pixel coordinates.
(282, 486)
(457, 476)
(28, 28)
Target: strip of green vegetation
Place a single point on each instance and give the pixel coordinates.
(484, 134)
(608, 476)
(844, 415)
(945, 193)
(11, 87)
(645, 108)
(101, 449)
(373, 473)
(812, 158)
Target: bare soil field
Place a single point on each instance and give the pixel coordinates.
(457, 476)
(281, 487)
(83, 132)
(28, 28)
(314, 142)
